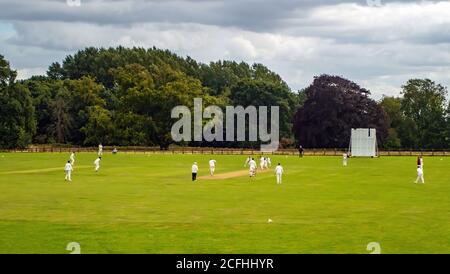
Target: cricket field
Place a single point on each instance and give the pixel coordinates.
(140, 203)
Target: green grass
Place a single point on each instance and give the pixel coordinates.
(147, 204)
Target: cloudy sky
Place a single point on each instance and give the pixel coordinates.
(377, 43)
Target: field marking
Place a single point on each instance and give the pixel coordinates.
(42, 170)
(233, 174)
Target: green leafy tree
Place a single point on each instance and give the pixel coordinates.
(130, 129)
(124, 73)
(424, 102)
(97, 62)
(17, 124)
(142, 94)
(333, 107)
(403, 130)
(134, 91)
(55, 71)
(61, 120)
(250, 92)
(82, 94)
(99, 127)
(42, 95)
(392, 107)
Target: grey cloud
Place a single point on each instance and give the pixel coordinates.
(380, 48)
(256, 15)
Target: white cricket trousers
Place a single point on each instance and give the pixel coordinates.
(68, 175)
(279, 178)
(212, 169)
(420, 177)
(97, 167)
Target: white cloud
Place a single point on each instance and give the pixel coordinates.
(28, 72)
(391, 22)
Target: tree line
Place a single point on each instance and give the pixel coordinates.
(124, 96)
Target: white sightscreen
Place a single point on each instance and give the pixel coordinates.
(363, 142)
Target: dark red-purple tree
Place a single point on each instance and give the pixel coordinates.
(333, 107)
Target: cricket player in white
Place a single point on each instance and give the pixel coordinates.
(100, 150)
(212, 166)
(269, 163)
(97, 164)
(247, 161)
(72, 158)
(261, 162)
(266, 163)
(420, 175)
(252, 165)
(194, 171)
(344, 159)
(279, 173)
(68, 169)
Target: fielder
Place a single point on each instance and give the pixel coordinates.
(269, 162)
(252, 165)
(212, 166)
(68, 169)
(420, 162)
(100, 150)
(261, 162)
(344, 159)
(266, 163)
(247, 161)
(97, 163)
(301, 151)
(194, 172)
(72, 158)
(420, 175)
(279, 173)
